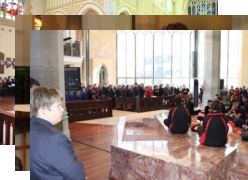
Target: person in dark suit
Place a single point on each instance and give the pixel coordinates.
(141, 90)
(135, 94)
(161, 90)
(179, 119)
(51, 156)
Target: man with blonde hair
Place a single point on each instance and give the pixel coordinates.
(51, 152)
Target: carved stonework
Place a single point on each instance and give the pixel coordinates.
(67, 10)
(77, 7)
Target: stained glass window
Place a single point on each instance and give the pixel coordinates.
(2, 8)
(203, 7)
(11, 8)
(38, 22)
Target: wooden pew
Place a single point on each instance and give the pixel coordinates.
(89, 109)
(118, 102)
(154, 103)
(129, 103)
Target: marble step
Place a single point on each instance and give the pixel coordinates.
(239, 172)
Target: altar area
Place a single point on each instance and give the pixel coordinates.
(145, 149)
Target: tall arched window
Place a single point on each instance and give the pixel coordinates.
(11, 8)
(204, 7)
(148, 57)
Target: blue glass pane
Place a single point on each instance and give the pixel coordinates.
(203, 9)
(198, 10)
(213, 9)
(208, 9)
(189, 10)
(194, 11)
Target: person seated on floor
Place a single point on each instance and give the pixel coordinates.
(18, 164)
(244, 100)
(223, 109)
(179, 119)
(190, 106)
(246, 108)
(208, 107)
(237, 114)
(233, 98)
(207, 110)
(51, 155)
(214, 130)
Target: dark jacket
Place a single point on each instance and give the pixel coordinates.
(118, 93)
(89, 94)
(52, 155)
(160, 92)
(179, 120)
(135, 91)
(190, 107)
(141, 92)
(215, 130)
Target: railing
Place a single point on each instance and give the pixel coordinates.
(7, 126)
(154, 103)
(89, 109)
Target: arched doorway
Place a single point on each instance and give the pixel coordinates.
(124, 10)
(91, 12)
(90, 9)
(124, 13)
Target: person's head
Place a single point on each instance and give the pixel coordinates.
(209, 103)
(34, 83)
(46, 103)
(175, 26)
(235, 103)
(18, 164)
(231, 87)
(135, 84)
(217, 96)
(190, 99)
(243, 87)
(244, 99)
(233, 97)
(178, 100)
(216, 106)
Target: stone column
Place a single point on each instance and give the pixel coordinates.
(47, 64)
(211, 65)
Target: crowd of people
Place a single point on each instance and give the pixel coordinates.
(7, 84)
(109, 91)
(219, 119)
